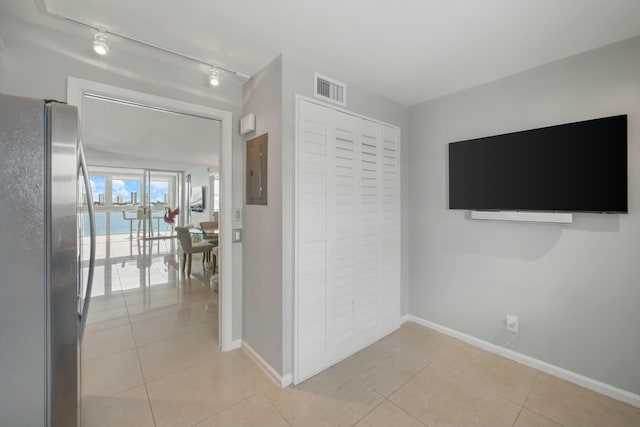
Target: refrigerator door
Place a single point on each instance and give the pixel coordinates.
(61, 231)
(23, 316)
(38, 284)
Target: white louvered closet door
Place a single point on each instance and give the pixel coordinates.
(388, 291)
(312, 238)
(347, 290)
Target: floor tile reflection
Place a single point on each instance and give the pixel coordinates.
(146, 320)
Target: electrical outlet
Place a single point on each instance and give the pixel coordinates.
(511, 323)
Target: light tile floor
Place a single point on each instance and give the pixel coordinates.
(150, 358)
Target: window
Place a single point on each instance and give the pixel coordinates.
(97, 189)
(125, 192)
(159, 193)
(216, 193)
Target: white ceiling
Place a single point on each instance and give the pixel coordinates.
(117, 134)
(406, 50)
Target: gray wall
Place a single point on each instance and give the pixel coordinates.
(298, 80)
(36, 63)
(576, 288)
(262, 295)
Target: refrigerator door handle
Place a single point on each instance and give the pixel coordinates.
(92, 245)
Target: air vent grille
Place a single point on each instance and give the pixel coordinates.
(330, 89)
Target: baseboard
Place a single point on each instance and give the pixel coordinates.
(235, 345)
(581, 380)
(404, 319)
(281, 381)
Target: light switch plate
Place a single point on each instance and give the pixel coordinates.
(237, 235)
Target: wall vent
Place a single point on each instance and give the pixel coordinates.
(330, 90)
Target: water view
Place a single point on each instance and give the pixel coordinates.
(119, 225)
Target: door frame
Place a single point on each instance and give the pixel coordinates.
(77, 88)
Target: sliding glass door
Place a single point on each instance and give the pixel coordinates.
(132, 203)
(162, 195)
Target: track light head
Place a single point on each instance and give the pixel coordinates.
(100, 45)
(214, 77)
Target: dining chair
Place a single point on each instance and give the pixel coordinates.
(209, 226)
(189, 248)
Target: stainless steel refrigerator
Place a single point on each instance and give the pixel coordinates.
(42, 288)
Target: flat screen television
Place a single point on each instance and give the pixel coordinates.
(574, 167)
(196, 201)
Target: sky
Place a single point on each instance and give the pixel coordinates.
(124, 187)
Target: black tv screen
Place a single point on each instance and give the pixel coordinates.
(572, 167)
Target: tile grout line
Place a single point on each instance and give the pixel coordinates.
(517, 416)
(481, 384)
(117, 393)
(153, 416)
(129, 323)
(524, 402)
(535, 412)
(407, 412)
(221, 410)
(372, 409)
(190, 365)
(409, 379)
(146, 389)
(276, 408)
(196, 329)
(545, 417)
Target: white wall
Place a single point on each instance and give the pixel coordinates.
(576, 288)
(37, 62)
(262, 296)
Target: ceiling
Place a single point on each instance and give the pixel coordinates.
(407, 50)
(124, 135)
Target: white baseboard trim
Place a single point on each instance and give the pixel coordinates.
(404, 319)
(235, 345)
(281, 381)
(586, 382)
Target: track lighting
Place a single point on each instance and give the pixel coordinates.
(214, 77)
(100, 45)
(101, 48)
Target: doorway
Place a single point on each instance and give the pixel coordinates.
(79, 91)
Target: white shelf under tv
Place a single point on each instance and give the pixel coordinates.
(523, 216)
